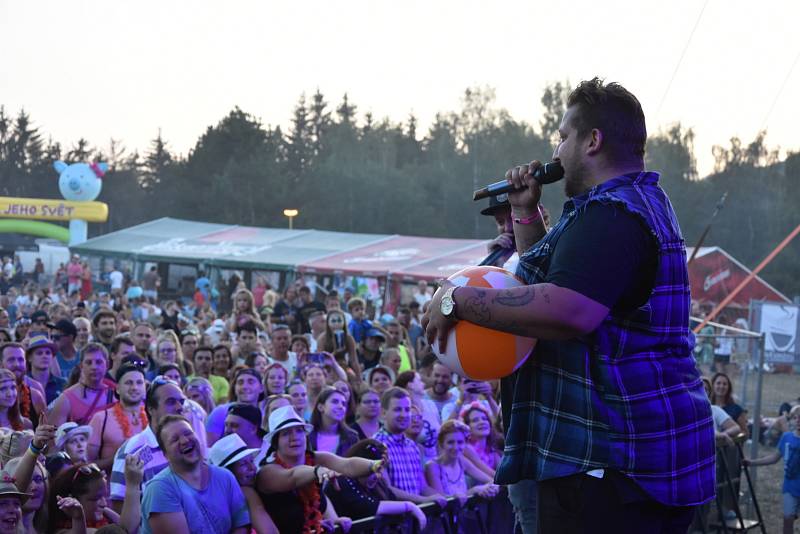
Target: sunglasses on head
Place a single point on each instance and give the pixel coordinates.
(86, 469)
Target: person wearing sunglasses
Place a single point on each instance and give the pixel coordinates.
(168, 351)
(87, 484)
(164, 397)
(200, 390)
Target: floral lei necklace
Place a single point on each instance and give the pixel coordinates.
(25, 400)
(124, 421)
(309, 497)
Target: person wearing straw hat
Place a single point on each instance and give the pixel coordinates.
(232, 453)
(291, 479)
(40, 355)
(11, 501)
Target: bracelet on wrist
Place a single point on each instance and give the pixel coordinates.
(316, 473)
(376, 466)
(527, 220)
(36, 450)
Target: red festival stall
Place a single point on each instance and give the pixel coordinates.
(714, 274)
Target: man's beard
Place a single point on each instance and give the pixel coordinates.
(576, 181)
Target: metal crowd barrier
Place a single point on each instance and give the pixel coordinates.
(477, 515)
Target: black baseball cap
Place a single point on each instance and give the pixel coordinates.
(66, 327)
(41, 314)
(247, 412)
(496, 203)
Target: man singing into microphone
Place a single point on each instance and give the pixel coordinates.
(608, 416)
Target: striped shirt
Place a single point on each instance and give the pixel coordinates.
(405, 461)
(627, 396)
(154, 461)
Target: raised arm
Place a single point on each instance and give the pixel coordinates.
(349, 467)
(276, 479)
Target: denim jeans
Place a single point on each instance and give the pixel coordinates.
(523, 498)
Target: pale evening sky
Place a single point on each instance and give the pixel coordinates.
(102, 69)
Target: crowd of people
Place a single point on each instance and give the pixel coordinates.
(247, 409)
(287, 412)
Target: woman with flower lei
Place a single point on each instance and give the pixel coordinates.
(292, 479)
(10, 417)
(123, 420)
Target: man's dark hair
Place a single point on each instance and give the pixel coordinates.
(163, 422)
(204, 348)
(613, 110)
(393, 393)
(247, 326)
(119, 341)
(304, 289)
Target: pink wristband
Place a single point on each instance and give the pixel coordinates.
(528, 220)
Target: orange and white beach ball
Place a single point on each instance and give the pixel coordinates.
(477, 352)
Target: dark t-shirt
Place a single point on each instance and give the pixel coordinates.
(354, 500)
(305, 312)
(734, 410)
(586, 258)
(286, 509)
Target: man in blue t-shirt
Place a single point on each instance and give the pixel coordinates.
(191, 495)
(788, 449)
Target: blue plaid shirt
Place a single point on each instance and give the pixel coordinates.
(628, 396)
(405, 461)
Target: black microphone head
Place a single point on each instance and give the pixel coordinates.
(549, 173)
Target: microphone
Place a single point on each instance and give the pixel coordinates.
(546, 174)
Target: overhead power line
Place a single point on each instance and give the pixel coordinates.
(680, 60)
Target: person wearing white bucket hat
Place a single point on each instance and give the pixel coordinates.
(291, 479)
(73, 439)
(232, 453)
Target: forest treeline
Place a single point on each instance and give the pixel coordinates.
(350, 171)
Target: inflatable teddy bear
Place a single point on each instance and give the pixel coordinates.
(80, 182)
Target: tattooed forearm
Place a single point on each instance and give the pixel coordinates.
(476, 307)
(513, 297)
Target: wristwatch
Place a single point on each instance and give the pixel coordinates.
(448, 304)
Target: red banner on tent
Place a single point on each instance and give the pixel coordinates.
(714, 274)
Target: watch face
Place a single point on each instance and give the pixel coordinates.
(447, 306)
